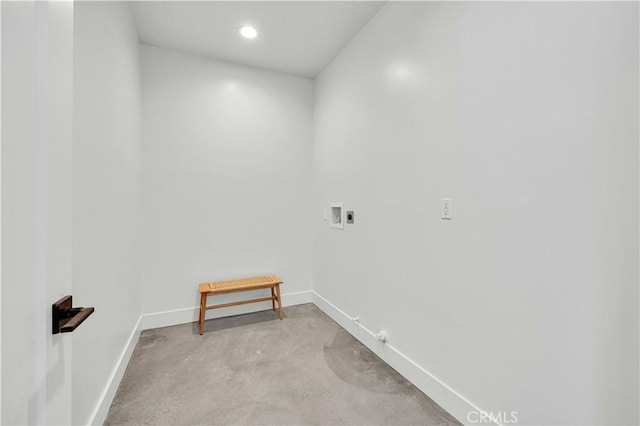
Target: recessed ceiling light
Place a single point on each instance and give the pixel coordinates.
(248, 32)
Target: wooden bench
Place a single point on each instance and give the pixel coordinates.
(235, 286)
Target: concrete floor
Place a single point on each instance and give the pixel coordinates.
(255, 369)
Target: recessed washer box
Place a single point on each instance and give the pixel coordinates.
(336, 216)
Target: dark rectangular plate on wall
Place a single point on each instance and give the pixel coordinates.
(65, 318)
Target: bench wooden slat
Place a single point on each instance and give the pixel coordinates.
(234, 286)
(241, 302)
(256, 282)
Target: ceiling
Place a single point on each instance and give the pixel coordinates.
(295, 37)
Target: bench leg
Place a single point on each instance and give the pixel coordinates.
(273, 300)
(203, 309)
(279, 300)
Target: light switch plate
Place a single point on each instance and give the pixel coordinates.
(446, 208)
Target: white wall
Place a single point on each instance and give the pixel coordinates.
(37, 69)
(526, 114)
(106, 194)
(227, 172)
(0, 211)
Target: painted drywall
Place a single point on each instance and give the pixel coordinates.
(0, 211)
(106, 194)
(37, 69)
(226, 178)
(526, 114)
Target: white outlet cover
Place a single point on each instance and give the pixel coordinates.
(446, 208)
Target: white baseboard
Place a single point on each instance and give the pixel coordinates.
(101, 410)
(300, 298)
(187, 315)
(454, 403)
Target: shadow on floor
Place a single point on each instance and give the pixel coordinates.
(224, 323)
(358, 366)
